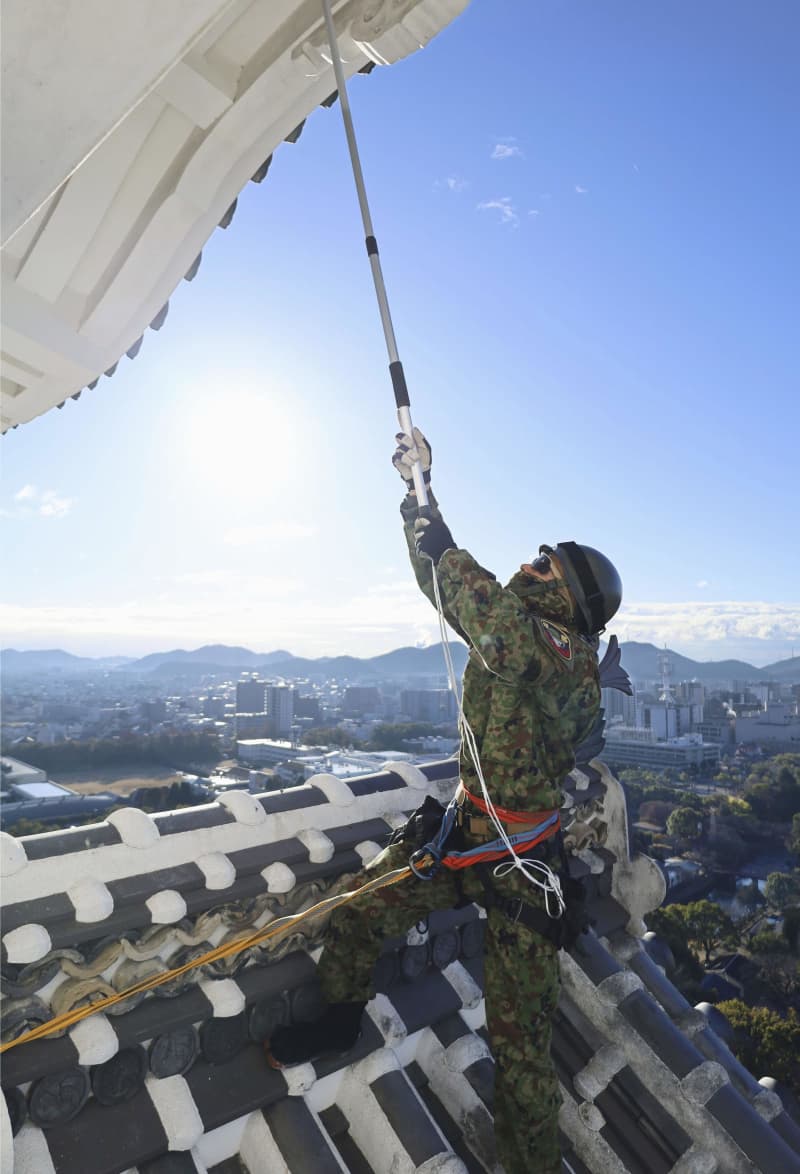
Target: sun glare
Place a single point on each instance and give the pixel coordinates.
(245, 441)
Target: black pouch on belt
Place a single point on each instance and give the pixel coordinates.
(422, 825)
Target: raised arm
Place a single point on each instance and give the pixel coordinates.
(410, 449)
(492, 618)
(423, 567)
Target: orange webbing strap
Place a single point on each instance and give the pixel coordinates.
(503, 813)
(273, 930)
(496, 850)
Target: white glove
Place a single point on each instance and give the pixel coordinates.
(408, 451)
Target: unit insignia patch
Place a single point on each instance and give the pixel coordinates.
(558, 638)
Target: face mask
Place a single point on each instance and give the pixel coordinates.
(545, 598)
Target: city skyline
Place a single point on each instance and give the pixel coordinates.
(589, 259)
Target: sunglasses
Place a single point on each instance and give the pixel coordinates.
(542, 564)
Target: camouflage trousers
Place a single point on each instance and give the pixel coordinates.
(521, 988)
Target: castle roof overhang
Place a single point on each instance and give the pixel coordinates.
(128, 133)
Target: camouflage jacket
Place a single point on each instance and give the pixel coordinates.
(531, 689)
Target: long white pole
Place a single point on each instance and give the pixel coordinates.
(395, 365)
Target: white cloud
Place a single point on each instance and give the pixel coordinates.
(715, 627)
(279, 531)
(580, 190)
(53, 506)
(47, 503)
(702, 583)
(506, 151)
(453, 183)
(505, 206)
(533, 212)
(245, 587)
(259, 613)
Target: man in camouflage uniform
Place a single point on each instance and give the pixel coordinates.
(531, 695)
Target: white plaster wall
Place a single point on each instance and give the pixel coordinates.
(91, 61)
(108, 103)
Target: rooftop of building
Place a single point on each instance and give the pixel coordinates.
(176, 1080)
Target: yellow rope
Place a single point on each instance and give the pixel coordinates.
(274, 929)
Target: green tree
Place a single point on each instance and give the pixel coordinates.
(655, 811)
(727, 847)
(707, 926)
(642, 777)
(669, 923)
(773, 788)
(791, 927)
(780, 890)
(28, 827)
(685, 823)
(779, 974)
(174, 749)
(766, 1042)
(390, 737)
(795, 838)
(768, 942)
(331, 736)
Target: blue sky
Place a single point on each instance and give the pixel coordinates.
(588, 224)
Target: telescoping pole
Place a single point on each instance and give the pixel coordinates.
(395, 365)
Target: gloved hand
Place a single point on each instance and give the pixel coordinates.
(432, 538)
(409, 450)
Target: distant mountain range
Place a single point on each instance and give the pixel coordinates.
(402, 662)
(221, 655)
(55, 660)
(217, 658)
(640, 660)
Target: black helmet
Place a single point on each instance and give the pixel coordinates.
(594, 582)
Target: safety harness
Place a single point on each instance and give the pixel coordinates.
(535, 829)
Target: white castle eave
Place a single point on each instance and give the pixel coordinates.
(128, 132)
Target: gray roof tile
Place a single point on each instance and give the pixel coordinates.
(623, 1009)
(71, 840)
(303, 1143)
(762, 1145)
(652, 1025)
(224, 1092)
(398, 1101)
(108, 1136)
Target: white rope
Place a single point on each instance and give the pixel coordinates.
(536, 872)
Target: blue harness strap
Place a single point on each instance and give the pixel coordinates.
(428, 860)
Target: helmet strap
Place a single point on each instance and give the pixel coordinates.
(593, 596)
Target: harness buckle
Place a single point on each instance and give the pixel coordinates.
(424, 863)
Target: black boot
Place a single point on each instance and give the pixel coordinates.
(337, 1031)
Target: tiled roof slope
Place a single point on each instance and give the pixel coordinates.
(175, 1082)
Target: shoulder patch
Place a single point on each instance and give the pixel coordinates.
(557, 638)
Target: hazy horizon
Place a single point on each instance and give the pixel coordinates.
(89, 650)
